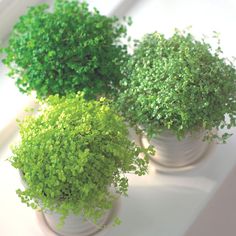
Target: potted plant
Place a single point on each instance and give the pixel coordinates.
(179, 90)
(71, 154)
(68, 49)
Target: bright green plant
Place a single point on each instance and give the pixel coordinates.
(180, 84)
(69, 49)
(71, 153)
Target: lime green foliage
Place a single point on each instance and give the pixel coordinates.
(68, 50)
(71, 153)
(180, 84)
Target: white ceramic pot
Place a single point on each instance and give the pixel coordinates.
(76, 225)
(171, 152)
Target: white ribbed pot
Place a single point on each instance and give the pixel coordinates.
(171, 152)
(75, 225)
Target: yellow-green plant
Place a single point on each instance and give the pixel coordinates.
(179, 84)
(71, 153)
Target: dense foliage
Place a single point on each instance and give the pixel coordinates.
(70, 49)
(180, 84)
(71, 153)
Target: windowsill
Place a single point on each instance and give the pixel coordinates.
(158, 204)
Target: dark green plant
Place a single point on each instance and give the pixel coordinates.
(71, 153)
(66, 50)
(180, 84)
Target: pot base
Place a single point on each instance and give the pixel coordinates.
(96, 231)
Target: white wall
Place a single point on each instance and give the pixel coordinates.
(205, 16)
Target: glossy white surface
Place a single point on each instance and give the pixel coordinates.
(211, 221)
(11, 100)
(12, 104)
